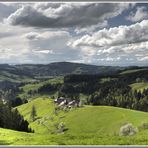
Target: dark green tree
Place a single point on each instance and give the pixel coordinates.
(33, 113)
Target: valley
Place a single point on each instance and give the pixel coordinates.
(110, 98)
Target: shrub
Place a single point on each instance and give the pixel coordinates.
(144, 126)
(56, 110)
(65, 109)
(61, 128)
(81, 103)
(128, 130)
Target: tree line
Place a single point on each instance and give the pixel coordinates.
(11, 118)
(115, 92)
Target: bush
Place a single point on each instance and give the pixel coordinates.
(144, 126)
(81, 103)
(128, 130)
(61, 128)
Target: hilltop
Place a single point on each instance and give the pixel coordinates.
(30, 71)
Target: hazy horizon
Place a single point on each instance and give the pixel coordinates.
(73, 62)
(107, 34)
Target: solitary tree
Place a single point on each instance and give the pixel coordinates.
(33, 113)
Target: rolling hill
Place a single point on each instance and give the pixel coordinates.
(30, 71)
(78, 120)
(14, 76)
(89, 125)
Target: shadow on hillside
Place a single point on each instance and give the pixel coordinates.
(4, 142)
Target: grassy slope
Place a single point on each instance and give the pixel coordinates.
(35, 86)
(139, 86)
(102, 119)
(14, 78)
(132, 71)
(44, 107)
(87, 125)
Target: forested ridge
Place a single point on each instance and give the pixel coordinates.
(111, 89)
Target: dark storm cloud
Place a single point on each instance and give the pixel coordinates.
(65, 15)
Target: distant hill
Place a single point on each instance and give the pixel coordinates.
(64, 68)
(30, 71)
(14, 76)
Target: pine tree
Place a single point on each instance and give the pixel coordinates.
(33, 113)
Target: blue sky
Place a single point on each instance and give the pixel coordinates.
(91, 33)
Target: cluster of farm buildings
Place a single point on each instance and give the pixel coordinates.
(67, 102)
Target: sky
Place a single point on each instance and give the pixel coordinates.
(114, 34)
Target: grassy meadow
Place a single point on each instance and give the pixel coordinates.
(139, 86)
(88, 125)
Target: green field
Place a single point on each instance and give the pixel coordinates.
(139, 86)
(7, 76)
(132, 71)
(35, 86)
(88, 125)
